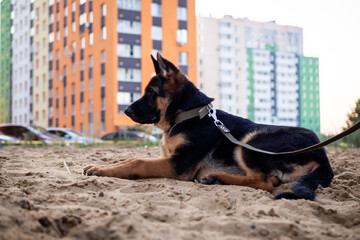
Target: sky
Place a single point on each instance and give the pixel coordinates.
(331, 32)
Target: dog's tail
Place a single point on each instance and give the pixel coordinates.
(305, 186)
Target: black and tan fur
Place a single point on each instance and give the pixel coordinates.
(196, 149)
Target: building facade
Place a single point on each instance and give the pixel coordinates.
(101, 56)
(5, 61)
(21, 63)
(254, 70)
(40, 62)
(309, 92)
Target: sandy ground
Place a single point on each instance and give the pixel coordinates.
(40, 200)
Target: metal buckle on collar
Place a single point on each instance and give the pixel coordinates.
(217, 122)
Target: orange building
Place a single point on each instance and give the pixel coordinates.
(100, 56)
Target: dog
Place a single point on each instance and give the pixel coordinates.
(196, 149)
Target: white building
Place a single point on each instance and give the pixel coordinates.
(21, 63)
(251, 68)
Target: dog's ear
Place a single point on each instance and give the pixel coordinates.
(156, 65)
(166, 67)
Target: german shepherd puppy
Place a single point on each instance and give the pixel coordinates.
(196, 149)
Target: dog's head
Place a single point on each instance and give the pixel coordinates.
(168, 93)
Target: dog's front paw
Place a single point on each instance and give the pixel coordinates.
(94, 171)
(211, 179)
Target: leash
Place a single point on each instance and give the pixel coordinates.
(201, 112)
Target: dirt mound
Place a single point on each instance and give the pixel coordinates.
(40, 200)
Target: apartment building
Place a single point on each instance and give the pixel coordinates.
(40, 62)
(5, 61)
(99, 59)
(257, 70)
(21, 92)
(309, 92)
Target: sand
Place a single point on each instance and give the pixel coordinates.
(40, 200)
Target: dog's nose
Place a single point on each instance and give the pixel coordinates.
(129, 111)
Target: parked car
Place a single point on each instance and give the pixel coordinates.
(31, 133)
(129, 135)
(72, 135)
(5, 138)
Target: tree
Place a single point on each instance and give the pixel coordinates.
(353, 117)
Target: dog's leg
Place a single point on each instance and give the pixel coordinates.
(257, 181)
(134, 168)
(305, 186)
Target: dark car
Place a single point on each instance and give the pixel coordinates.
(121, 136)
(30, 133)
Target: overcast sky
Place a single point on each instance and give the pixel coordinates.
(331, 32)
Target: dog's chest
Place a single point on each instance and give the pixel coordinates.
(170, 144)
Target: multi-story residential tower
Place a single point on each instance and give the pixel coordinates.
(273, 86)
(21, 63)
(5, 61)
(252, 69)
(101, 56)
(40, 62)
(309, 93)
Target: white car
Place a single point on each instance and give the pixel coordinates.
(73, 135)
(6, 138)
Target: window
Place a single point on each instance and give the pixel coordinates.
(126, 50)
(156, 33)
(183, 58)
(91, 38)
(82, 42)
(51, 37)
(123, 98)
(103, 127)
(155, 10)
(103, 104)
(103, 33)
(103, 10)
(82, 18)
(182, 13)
(181, 36)
(131, 27)
(103, 80)
(91, 83)
(91, 105)
(65, 31)
(129, 74)
(91, 61)
(129, 4)
(103, 56)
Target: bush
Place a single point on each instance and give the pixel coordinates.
(353, 117)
